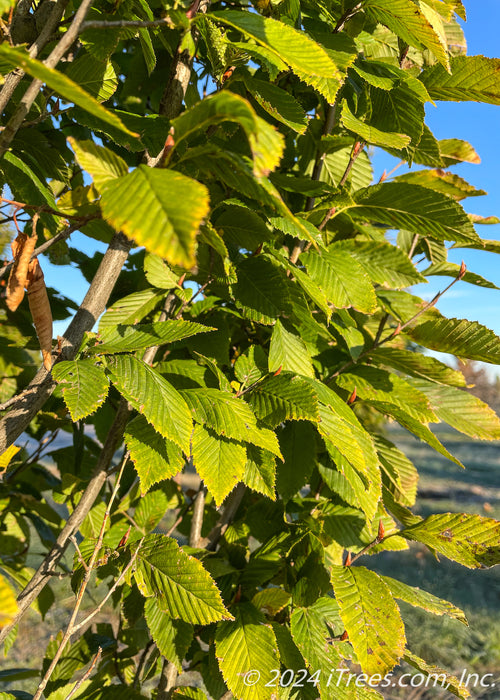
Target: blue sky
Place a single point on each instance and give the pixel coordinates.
(477, 123)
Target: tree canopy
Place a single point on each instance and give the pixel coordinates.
(251, 322)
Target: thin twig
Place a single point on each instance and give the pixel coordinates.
(167, 682)
(91, 24)
(232, 504)
(86, 675)
(414, 244)
(355, 153)
(348, 14)
(72, 627)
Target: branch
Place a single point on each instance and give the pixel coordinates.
(42, 576)
(232, 504)
(13, 79)
(72, 627)
(163, 21)
(400, 327)
(26, 102)
(316, 174)
(197, 521)
(41, 387)
(86, 675)
(167, 682)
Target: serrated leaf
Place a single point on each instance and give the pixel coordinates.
(229, 416)
(415, 208)
(470, 540)
(309, 61)
(449, 183)
(151, 395)
(278, 103)
(371, 134)
(458, 337)
(131, 309)
(155, 458)
(401, 473)
(242, 227)
(472, 78)
(158, 272)
(247, 644)
(261, 291)
(159, 209)
(452, 684)
(220, 462)
(406, 19)
(84, 386)
(271, 600)
(423, 599)
(260, 471)
(371, 618)
(417, 365)
(298, 444)
(172, 637)
(289, 352)
(462, 410)
(448, 269)
(384, 263)
(455, 151)
(97, 77)
(60, 83)
(284, 397)
(343, 280)
(123, 338)
(101, 163)
(179, 583)
(266, 143)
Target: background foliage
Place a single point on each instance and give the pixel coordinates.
(257, 331)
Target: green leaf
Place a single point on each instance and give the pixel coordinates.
(472, 79)
(470, 540)
(228, 416)
(84, 386)
(97, 77)
(455, 151)
(159, 209)
(151, 395)
(101, 163)
(155, 458)
(308, 60)
(462, 410)
(261, 291)
(374, 384)
(288, 352)
(401, 473)
(179, 583)
(242, 227)
(60, 83)
(416, 427)
(278, 103)
(438, 675)
(458, 337)
(406, 19)
(448, 269)
(371, 618)
(343, 280)
(172, 637)
(446, 182)
(158, 272)
(384, 263)
(423, 599)
(266, 143)
(136, 337)
(131, 309)
(415, 208)
(260, 471)
(298, 444)
(417, 365)
(371, 134)
(285, 397)
(247, 644)
(220, 462)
